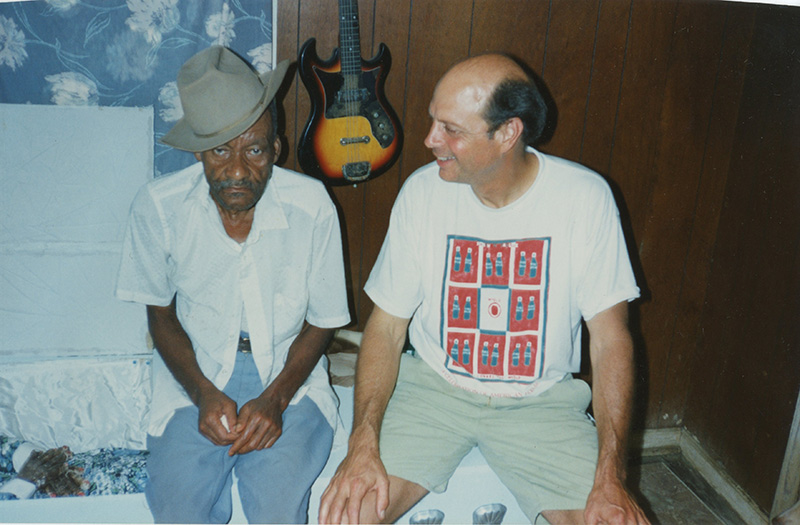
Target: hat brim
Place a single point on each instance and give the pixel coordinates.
(183, 137)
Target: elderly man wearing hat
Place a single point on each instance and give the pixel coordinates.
(240, 266)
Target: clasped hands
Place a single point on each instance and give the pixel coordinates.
(256, 426)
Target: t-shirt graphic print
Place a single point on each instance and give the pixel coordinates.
(494, 307)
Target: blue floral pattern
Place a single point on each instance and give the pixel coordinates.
(108, 470)
(123, 53)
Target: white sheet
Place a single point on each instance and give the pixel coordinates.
(84, 403)
(72, 358)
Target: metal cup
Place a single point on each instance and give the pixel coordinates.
(431, 516)
(489, 514)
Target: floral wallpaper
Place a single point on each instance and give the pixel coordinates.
(123, 53)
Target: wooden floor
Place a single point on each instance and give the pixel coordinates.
(671, 492)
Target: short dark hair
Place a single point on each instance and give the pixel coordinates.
(514, 97)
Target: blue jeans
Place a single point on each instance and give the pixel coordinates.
(190, 478)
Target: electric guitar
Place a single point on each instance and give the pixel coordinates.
(352, 134)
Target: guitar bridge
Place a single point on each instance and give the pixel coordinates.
(356, 171)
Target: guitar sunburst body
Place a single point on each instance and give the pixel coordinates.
(352, 134)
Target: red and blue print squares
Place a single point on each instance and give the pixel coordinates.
(494, 306)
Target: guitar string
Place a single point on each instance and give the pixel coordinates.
(355, 57)
(350, 89)
(351, 148)
(343, 13)
(349, 82)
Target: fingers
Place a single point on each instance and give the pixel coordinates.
(341, 502)
(357, 481)
(218, 417)
(213, 428)
(382, 497)
(253, 440)
(326, 501)
(619, 509)
(258, 429)
(354, 505)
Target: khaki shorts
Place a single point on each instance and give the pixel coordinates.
(543, 448)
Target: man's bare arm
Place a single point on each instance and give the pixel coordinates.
(173, 344)
(611, 349)
(376, 375)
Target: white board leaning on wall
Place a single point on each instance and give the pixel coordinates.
(74, 359)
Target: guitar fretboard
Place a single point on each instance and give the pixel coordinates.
(349, 43)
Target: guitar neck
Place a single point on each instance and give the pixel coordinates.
(349, 42)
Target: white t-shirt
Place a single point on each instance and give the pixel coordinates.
(289, 269)
(497, 295)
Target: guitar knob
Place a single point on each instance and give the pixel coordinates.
(382, 125)
(375, 114)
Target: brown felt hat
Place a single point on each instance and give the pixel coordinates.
(222, 96)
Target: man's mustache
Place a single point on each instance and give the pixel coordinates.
(233, 184)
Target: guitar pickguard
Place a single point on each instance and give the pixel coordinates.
(341, 102)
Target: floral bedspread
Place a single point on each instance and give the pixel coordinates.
(108, 470)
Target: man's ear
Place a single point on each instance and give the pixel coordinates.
(198, 155)
(277, 146)
(509, 133)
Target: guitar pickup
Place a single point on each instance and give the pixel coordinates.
(346, 141)
(352, 95)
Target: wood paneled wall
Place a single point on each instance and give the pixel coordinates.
(745, 376)
(651, 94)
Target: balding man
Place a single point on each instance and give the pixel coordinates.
(495, 253)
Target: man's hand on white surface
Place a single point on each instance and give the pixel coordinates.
(361, 472)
